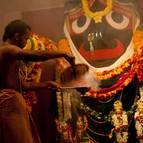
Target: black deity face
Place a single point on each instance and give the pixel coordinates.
(103, 43)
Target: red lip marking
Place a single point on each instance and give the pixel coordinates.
(103, 54)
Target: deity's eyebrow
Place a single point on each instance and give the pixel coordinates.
(126, 10)
(76, 14)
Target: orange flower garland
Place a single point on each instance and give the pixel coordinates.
(63, 45)
(106, 93)
(114, 72)
(134, 66)
(126, 78)
(138, 42)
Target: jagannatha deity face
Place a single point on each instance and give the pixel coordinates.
(104, 43)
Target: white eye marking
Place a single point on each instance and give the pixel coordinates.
(80, 28)
(117, 25)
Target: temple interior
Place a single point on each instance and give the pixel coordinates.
(101, 99)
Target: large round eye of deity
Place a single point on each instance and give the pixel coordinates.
(117, 20)
(81, 24)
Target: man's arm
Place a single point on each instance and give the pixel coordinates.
(32, 86)
(14, 52)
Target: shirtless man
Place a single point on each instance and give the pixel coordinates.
(14, 120)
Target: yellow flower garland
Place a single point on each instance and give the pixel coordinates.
(134, 62)
(104, 95)
(138, 43)
(97, 16)
(116, 71)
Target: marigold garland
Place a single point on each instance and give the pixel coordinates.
(63, 45)
(49, 44)
(106, 93)
(116, 71)
(138, 118)
(126, 78)
(134, 64)
(138, 42)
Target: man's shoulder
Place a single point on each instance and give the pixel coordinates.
(6, 47)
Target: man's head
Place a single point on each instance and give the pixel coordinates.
(17, 32)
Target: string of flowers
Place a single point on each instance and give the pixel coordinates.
(62, 126)
(116, 71)
(136, 67)
(138, 118)
(138, 47)
(106, 93)
(93, 113)
(119, 119)
(63, 123)
(126, 71)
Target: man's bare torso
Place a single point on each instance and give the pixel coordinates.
(9, 70)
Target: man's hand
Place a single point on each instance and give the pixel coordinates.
(70, 58)
(53, 85)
